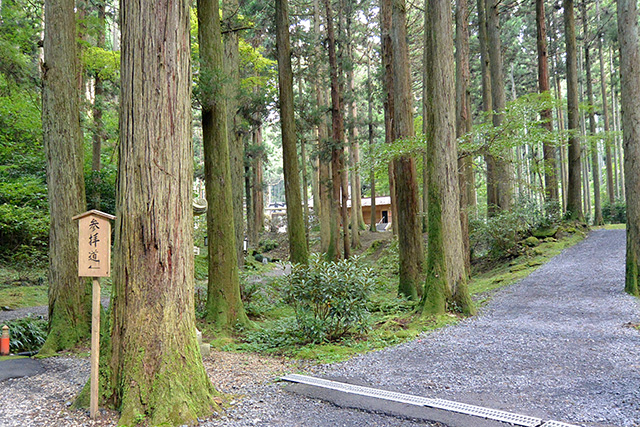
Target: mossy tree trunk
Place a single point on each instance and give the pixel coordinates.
(298, 251)
(574, 184)
(69, 295)
(224, 304)
(446, 279)
(156, 371)
(630, 100)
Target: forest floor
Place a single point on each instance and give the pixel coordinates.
(560, 344)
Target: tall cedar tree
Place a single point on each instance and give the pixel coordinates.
(630, 100)
(548, 150)
(387, 99)
(574, 185)
(69, 301)
(500, 199)
(98, 134)
(295, 222)
(406, 183)
(230, 16)
(322, 132)
(338, 209)
(224, 304)
(463, 125)
(605, 112)
(156, 371)
(595, 162)
(487, 105)
(446, 279)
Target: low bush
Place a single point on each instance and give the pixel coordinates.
(329, 298)
(615, 213)
(27, 334)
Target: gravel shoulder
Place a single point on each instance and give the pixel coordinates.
(556, 346)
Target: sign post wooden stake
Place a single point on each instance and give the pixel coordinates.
(94, 260)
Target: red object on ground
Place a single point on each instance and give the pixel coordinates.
(4, 341)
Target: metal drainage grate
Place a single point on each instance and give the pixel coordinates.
(463, 408)
(556, 424)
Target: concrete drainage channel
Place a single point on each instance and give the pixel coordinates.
(451, 413)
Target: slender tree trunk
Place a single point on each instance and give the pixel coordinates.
(463, 124)
(69, 303)
(595, 163)
(630, 91)
(224, 305)
(574, 200)
(337, 151)
(230, 19)
(446, 279)
(298, 251)
(616, 125)
(98, 105)
(549, 151)
(605, 113)
(388, 102)
(487, 105)
(372, 173)
(502, 168)
(257, 186)
(324, 169)
(409, 227)
(156, 368)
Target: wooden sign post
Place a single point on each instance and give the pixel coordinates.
(94, 260)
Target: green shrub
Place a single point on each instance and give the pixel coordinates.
(24, 233)
(501, 236)
(615, 213)
(329, 298)
(27, 334)
(265, 245)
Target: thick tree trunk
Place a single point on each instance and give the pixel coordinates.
(446, 278)
(549, 151)
(338, 196)
(595, 163)
(298, 251)
(574, 185)
(409, 226)
(463, 125)
(630, 90)
(224, 304)
(69, 302)
(230, 18)
(156, 367)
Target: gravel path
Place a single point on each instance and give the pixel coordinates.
(556, 345)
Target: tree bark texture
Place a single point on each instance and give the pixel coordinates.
(574, 184)
(156, 367)
(630, 100)
(466, 176)
(98, 105)
(548, 150)
(409, 224)
(69, 296)
(502, 168)
(298, 251)
(230, 17)
(446, 279)
(605, 113)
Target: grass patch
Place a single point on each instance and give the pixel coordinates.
(23, 296)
